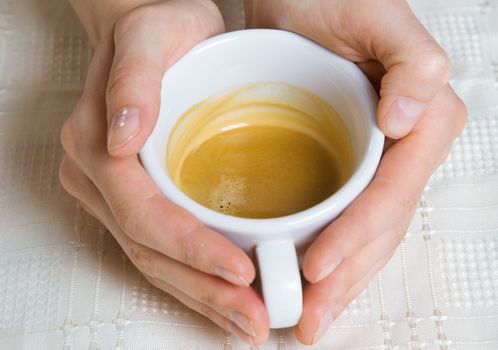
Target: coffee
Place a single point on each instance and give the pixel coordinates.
(260, 151)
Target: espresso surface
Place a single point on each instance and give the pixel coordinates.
(260, 150)
(260, 172)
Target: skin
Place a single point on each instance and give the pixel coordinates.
(136, 41)
(402, 60)
(173, 250)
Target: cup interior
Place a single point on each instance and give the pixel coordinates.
(250, 56)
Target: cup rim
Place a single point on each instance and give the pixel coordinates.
(360, 178)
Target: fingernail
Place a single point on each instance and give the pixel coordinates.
(229, 276)
(327, 270)
(403, 115)
(243, 322)
(123, 127)
(324, 324)
(233, 328)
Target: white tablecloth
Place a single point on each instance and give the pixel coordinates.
(65, 283)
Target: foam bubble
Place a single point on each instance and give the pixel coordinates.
(228, 195)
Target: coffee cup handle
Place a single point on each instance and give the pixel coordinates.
(280, 282)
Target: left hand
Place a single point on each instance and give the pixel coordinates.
(418, 110)
(117, 111)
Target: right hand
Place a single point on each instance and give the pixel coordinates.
(115, 115)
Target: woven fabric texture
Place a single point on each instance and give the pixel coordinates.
(66, 284)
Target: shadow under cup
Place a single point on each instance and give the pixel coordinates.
(234, 59)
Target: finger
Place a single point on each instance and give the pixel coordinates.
(416, 65)
(216, 294)
(351, 270)
(374, 70)
(148, 218)
(320, 298)
(184, 238)
(386, 31)
(393, 193)
(317, 317)
(360, 286)
(376, 210)
(417, 68)
(203, 309)
(78, 185)
(140, 209)
(222, 297)
(147, 42)
(250, 316)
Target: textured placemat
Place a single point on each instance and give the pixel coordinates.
(65, 283)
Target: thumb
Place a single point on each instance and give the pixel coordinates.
(147, 42)
(133, 91)
(417, 69)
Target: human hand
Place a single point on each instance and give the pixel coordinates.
(418, 110)
(102, 137)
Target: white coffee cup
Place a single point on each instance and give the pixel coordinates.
(232, 59)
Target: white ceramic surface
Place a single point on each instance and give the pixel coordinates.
(235, 58)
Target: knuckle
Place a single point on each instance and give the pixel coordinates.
(184, 230)
(444, 155)
(142, 259)
(71, 135)
(190, 246)
(68, 135)
(395, 236)
(461, 116)
(132, 19)
(365, 232)
(189, 256)
(125, 72)
(434, 63)
(211, 27)
(125, 26)
(128, 78)
(66, 177)
(127, 220)
(209, 297)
